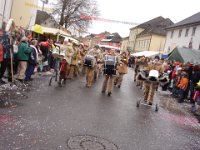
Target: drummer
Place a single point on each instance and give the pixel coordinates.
(110, 75)
(151, 86)
(95, 53)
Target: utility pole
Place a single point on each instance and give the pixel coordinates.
(44, 2)
(4, 8)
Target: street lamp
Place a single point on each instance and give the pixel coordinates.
(44, 2)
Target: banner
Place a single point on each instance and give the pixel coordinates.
(107, 20)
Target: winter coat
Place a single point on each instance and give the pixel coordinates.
(122, 68)
(76, 57)
(154, 66)
(6, 46)
(23, 52)
(33, 56)
(1, 53)
(183, 83)
(45, 51)
(68, 50)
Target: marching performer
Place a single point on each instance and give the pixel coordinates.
(155, 69)
(67, 49)
(74, 63)
(83, 52)
(91, 59)
(141, 63)
(121, 69)
(110, 65)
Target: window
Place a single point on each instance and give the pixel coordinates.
(180, 32)
(172, 33)
(193, 31)
(186, 32)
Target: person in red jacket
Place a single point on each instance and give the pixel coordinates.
(1, 53)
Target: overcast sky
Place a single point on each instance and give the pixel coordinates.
(140, 11)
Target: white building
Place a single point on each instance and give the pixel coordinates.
(125, 44)
(5, 10)
(185, 33)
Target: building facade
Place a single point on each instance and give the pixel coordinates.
(24, 12)
(149, 36)
(125, 44)
(185, 33)
(113, 39)
(5, 10)
(133, 36)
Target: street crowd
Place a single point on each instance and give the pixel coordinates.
(21, 56)
(183, 78)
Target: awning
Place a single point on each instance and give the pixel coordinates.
(145, 53)
(110, 47)
(185, 55)
(70, 38)
(38, 29)
(41, 30)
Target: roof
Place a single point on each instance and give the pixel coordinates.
(194, 19)
(125, 38)
(109, 47)
(53, 31)
(115, 37)
(41, 17)
(156, 26)
(145, 53)
(106, 40)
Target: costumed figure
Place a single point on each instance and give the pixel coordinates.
(141, 63)
(121, 70)
(110, 69)
(152, 76)
(74, 70)
(67, 48)
(90, 62)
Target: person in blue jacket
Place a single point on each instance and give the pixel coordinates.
(32, 62)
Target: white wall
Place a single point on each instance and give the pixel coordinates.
(182, 41)
(5, 13)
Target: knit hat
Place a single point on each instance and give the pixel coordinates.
(24, 39)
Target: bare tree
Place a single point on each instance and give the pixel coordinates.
(69, 12)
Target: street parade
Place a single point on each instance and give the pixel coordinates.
(63, 86)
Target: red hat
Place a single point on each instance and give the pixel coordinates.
(45, 44)
(29, 37)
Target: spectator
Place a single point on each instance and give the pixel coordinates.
(7, 52)
(23, 57)
(32, 62)
(176, 81)
(194, 80)
(45, 52)
(51, 58)
(1, 51)
(183, 85)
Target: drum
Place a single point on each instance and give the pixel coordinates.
(153, 75)
(89, 61)
(110, 65)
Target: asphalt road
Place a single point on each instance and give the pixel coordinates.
(52, 118)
